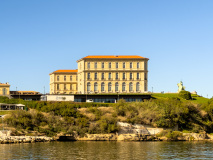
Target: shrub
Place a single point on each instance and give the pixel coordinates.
(185, 95)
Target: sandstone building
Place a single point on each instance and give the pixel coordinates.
(63, 82)
(103, 74)
(4, 89)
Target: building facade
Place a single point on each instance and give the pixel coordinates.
(63, 82)
(4, 89)
(112, 74)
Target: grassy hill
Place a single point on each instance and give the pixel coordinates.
(195, 98)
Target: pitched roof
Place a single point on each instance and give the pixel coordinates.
(65, 71)
(114, 57)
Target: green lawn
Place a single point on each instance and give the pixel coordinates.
(3, 112)
(196, 98)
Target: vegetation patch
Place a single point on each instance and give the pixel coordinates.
(51, 118)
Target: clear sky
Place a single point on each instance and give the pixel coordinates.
(41, 36)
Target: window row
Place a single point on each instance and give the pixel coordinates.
(66, 87)
(116, 76)
(110, 65)
(116, 87)
(71, 78)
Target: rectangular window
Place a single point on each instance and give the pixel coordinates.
(130, 65)
(70, 78)
(88, 65)
(96, 77)
(95, 65)
(117, 65)
(64, 78)
(109, 64)
(124, 64)
(102, 76)
(102, 64)
(130, 76)
(70, 86)
(4, 90)
(110, 75)
(138, 65)
(138, 76)
(65, 86)
(145, 65)
(116, 76)
(116, 86)
(57, 86)
(124, 76)
(88, 76)
(57, 78)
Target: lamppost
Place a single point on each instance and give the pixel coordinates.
(44, 90)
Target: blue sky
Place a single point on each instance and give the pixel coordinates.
(38, 37)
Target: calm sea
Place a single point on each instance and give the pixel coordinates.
(108, 150)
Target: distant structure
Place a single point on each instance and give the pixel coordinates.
(26, 95)
(180, 87)
(193, 92)
(64, 82)
(113, 74)
(103, 74)
(5, 89)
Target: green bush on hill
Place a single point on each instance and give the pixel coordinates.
(185, 95)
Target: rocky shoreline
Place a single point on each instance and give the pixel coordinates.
(136, 137)
(24, 139)
(104, 137)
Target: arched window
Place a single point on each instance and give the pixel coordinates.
(137, 86)
(88, 86)
(109, 86)
(116, 87)
(102, 86)
(95, 86)
(130, 86)
(123, 86)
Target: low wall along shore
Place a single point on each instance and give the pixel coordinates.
(102, 137)
(135, 137)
